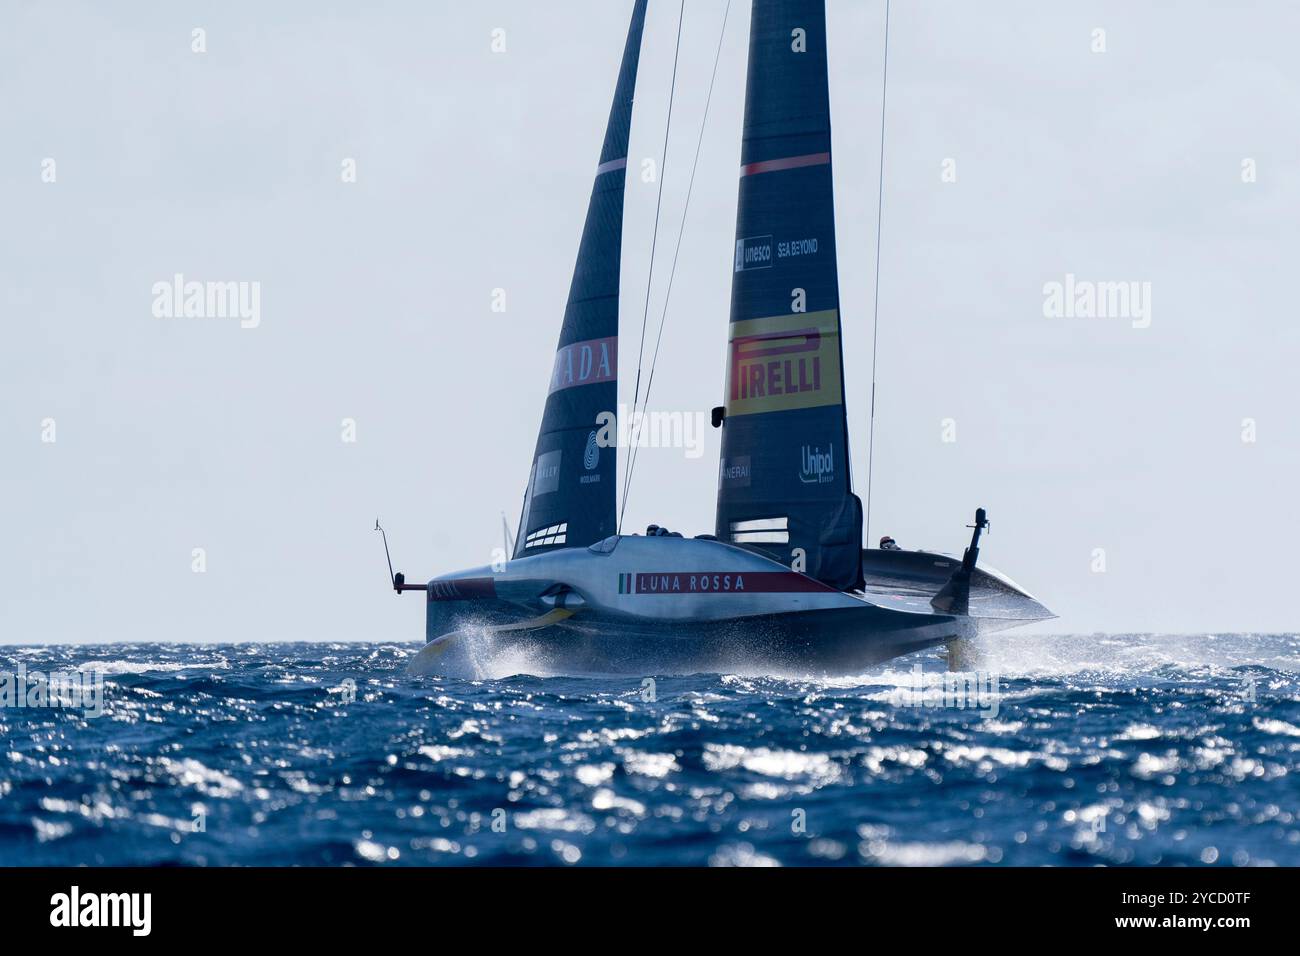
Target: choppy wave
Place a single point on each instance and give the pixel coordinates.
(1121, 749)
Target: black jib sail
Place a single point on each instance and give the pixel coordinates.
(569, 501)
(783, 482)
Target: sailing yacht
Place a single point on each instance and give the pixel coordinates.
(783, 581)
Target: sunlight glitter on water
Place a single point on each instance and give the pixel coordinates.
(1113, 749)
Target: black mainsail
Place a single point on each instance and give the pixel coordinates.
(783, 481)
(570, 499)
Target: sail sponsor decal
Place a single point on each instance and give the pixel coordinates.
(547, 476)
(753, 252)
(590, 461)
(585, 363)
(734, 472)
(784, 362)
(816, 467)
(784, 163)
(718, 582)
(760, 252)
(790, 248)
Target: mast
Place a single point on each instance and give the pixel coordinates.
(570, 499)
(783, 482)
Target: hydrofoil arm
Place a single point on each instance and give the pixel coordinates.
(427, 660)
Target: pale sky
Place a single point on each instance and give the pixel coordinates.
(473, 170)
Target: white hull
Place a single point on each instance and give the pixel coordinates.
(634, 604)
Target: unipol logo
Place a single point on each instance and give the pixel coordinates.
(816, 466)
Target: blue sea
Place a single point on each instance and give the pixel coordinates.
(1070, 750)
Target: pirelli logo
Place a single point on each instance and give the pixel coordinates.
(784, 362)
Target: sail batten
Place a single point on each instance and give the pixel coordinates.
(570, 497)
(783, 482)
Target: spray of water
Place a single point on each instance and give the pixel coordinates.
(478, 653)
(481, 654)
(1134, 654)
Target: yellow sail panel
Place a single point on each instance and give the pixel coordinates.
(783, 362)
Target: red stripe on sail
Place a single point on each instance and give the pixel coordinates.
(789, 162)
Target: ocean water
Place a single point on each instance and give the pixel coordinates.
(1078, 750)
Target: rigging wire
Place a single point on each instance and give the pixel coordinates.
(681, 229)
(875, 315)
(645, 314)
